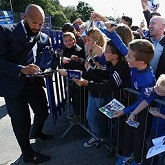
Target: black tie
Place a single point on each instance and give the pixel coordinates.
(30, 56)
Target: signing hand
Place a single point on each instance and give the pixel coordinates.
(30, 69)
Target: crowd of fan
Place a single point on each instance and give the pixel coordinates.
(112, 57)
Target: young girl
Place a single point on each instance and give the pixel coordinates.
(96, 42)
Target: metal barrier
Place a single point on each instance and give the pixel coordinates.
(58, 92)
(55, 85)
(129, 96)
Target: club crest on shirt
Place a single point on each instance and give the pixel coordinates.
(136, 85)
(148, 91)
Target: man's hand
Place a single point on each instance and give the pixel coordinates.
(30, 69)
(144, 4)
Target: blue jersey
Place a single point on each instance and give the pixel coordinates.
(143, 81)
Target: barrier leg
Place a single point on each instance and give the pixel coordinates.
(63, 135)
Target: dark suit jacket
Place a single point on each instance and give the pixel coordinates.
(12, 43)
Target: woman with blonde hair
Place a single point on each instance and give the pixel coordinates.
(95, 73)
(96, 43)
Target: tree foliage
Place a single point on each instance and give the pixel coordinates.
(58, 19)
(71, 13)
(59, 14)
(85, 10)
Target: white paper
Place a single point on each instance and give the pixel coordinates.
(158, 140)
(157, 148)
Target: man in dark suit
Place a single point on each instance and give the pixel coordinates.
(16, 87)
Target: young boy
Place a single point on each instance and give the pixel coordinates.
(71, 52)
(73, 55)
(140, 53)
(117, 77)
(158, 121)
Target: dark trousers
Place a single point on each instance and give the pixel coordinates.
(32, 94)
(112, 129)
(135, 138)
(79, 100)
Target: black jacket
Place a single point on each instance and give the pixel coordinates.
(13, 41)
(110, 80)
(75, 50)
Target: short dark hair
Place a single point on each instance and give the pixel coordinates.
(114, 49)
(134, 28)
(144, 50)
(136, 35)
(127, 19)
(68, 27)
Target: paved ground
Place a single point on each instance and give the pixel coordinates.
(64, 151)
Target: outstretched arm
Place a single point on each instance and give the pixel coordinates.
(110, 32)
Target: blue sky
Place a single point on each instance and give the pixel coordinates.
(117, 7)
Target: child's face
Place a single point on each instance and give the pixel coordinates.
(109, 56)
(131, 59)
(159, 89)
(69, 42)
(89, 42)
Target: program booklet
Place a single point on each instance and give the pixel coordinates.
(74, 74)
(110, 108)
